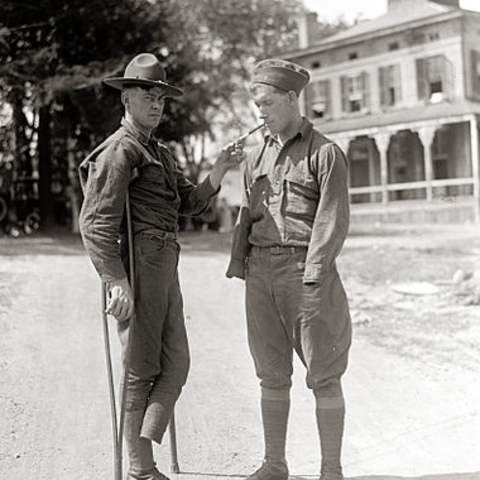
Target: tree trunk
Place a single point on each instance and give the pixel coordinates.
(73, 189)
(45, 168)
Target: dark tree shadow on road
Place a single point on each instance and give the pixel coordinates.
(51, 243)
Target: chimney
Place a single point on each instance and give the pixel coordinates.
(397, 4)
(307, 29)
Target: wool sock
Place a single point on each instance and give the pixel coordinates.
(330, 412)
(275, 408)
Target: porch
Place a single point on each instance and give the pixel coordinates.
(413, 164)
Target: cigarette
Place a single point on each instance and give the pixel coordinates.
(253, 130)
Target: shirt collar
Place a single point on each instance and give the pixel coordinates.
(133, 130)
(304, 131)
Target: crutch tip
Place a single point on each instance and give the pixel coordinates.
(175, 468)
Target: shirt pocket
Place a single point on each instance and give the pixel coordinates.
(301, 193)
(153, 173)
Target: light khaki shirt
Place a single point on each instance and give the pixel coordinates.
(294, 195)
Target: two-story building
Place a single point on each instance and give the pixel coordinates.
(401, 95)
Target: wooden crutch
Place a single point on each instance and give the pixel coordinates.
(118, 424)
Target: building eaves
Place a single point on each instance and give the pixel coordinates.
(381, 26)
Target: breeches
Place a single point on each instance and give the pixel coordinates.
(160, 359)
(283, 315)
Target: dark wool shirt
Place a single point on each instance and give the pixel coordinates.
(159, 192)
(295, 195)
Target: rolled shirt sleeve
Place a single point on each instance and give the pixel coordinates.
(194, 198)
(332, 217)
(107, 176)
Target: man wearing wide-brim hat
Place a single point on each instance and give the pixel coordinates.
(133, 160)
(291, 227)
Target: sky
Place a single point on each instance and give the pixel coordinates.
(330, 10)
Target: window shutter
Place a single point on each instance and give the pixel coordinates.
(365, 90)
(327, 96)
(382, 81)
(447, 77)
(421, 78)
(309, 99)
(474, 66)
(397, 72)
(344, 88)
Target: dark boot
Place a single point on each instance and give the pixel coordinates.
(140, 452)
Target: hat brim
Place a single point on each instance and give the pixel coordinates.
(120, 82)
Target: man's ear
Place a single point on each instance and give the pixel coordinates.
(292, 98)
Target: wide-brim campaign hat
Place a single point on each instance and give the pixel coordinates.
(144, 70)
(282, 74)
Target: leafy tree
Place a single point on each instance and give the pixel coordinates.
(54, 54)
(53, 57)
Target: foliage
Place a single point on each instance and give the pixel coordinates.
(54, 54)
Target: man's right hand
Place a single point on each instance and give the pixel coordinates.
(121, 301)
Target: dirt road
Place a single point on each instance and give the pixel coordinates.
(412, 388)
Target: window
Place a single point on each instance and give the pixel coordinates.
(355, 93)
(316, 64)
(353, 56)
(415, 37)
(434, 79)
(318, 94)
(393, 46)
(390, 85)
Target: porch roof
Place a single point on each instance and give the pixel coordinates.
(447, 112)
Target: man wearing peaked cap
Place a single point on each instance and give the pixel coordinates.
(291, 227)
(133, 160)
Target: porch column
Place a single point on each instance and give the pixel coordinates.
(427, 134)
(383, 141)
(475, 165)
(371, 168)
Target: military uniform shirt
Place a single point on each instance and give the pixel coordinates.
(294, 195)
(157, 196)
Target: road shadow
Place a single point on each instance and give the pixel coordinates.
(61, 242)
(42, 243)
(206, 243)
